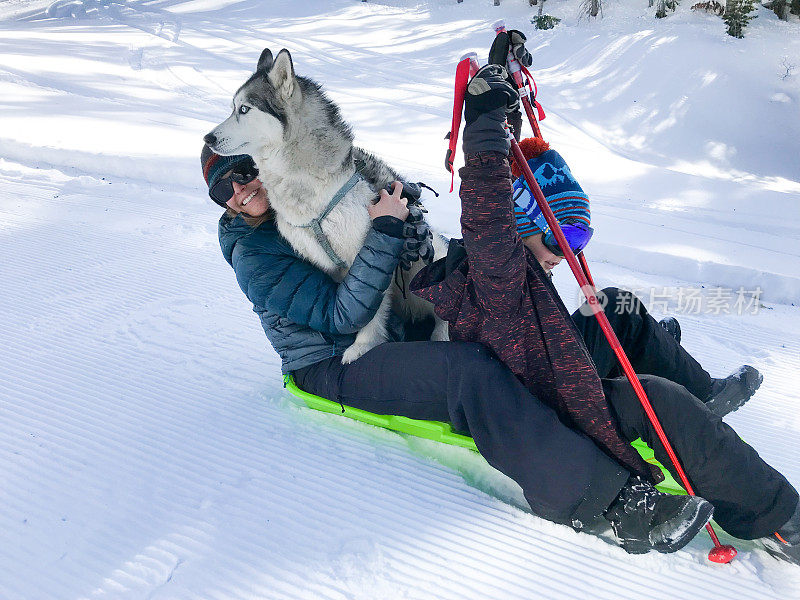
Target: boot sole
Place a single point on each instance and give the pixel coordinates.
(723, 408)
(777, 551)
(758, 382)
(678, 531)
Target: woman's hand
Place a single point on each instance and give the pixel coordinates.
(391, 205)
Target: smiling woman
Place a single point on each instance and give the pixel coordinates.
(233, 184)
(251, 201)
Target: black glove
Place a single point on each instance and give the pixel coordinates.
(518, 39)
(411, 191)
(514, 119)
(418, 244)
(498, 54)
(489, 96)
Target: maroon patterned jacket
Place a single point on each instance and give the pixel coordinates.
(500, 296)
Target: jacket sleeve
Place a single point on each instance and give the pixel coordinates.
(497, 262)
(274, 277)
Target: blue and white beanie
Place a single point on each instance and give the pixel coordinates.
(563, 193)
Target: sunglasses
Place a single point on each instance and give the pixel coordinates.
(222, 190)
(578, 235)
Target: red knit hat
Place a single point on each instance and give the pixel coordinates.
(215, 166)
(531, 148)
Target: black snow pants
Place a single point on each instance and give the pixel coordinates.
(750, 498)
(565, 477)
(649, 347)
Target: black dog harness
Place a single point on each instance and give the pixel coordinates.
(316, 224)
(415, 230)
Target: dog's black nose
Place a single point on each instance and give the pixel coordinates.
(210, 139)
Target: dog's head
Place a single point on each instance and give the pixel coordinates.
(261, 108)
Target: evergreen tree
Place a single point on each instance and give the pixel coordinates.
(779, 7)
(591, 7)
(738, 15)
(665, 6)
(543, 21)
(795, 7)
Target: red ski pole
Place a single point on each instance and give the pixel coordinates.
(720, 553)
(515, 70)
(585, 267)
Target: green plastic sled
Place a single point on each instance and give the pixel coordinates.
(441, 432)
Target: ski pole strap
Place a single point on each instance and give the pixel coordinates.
(526, 92)
(535, 90)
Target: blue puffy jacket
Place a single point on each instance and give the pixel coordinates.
(306, 315)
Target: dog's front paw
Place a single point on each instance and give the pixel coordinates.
(355, 352)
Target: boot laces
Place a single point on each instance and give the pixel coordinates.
(639, 496)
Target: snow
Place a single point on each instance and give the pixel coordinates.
(147, 448)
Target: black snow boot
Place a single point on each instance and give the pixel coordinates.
(645, 519)
(731, 393)
(785, 543)
(672, 326)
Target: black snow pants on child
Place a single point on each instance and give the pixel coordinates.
(750, 498)
(649, 347)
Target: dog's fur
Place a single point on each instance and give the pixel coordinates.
(304, 153)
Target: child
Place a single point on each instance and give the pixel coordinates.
(652, 347)
(494, 290)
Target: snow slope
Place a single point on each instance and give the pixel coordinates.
(147, 448)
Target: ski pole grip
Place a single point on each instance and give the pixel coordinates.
(474, 67)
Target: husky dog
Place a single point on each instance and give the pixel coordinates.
(305, 155)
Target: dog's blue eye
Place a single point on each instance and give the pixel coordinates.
(243, 109)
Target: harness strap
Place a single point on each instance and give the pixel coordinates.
(316, 224)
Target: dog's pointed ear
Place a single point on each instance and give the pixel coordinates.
(282, 73)
(264, 61)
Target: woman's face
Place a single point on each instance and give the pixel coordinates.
(547, 259)
(250, 198)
